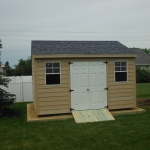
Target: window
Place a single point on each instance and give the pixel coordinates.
(120, 71)
(52, 73)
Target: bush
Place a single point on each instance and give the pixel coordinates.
(6, 99)
(142, 75)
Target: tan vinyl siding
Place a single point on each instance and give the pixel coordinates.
(121, 83)
(121, 102)
(123, 106)
(53, 103)
(53, 107)
(48, 99)
(51, 111)
(53, 90)
(129, 90)
(50, 94)
(125, 86)
(116, 94)
(121, 98)
(52, 87)
(121, 94)
(53, 99)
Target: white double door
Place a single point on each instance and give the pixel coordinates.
(88, 83)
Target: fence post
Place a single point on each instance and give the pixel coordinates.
(21, 88)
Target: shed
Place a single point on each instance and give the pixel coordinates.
(81, 75)
(142, 59)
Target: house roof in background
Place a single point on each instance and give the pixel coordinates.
(2, 66)
(79, 47)
(142, 58)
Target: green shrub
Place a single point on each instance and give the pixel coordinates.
(6, 99)
(142, 75)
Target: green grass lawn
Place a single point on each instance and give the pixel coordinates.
(125, 133)
(143, 90)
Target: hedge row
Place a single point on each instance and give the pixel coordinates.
(142, 75)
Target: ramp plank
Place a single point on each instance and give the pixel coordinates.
(83, 116)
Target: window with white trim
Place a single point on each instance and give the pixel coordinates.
(52, 71)
(120, 71)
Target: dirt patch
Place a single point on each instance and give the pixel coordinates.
(143, 102)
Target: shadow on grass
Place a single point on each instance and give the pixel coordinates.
(16, 110)
(9, 113)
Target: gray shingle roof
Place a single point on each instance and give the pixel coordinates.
(79, 47)
(142, 58)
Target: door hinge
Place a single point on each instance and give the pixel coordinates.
(71, 109)
(106, 88)
(70, 90)
(106, 106)
(70, 62)
(105, 62)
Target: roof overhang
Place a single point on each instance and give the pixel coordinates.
(83, 55)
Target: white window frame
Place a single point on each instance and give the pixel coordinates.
(53, 73)
(120, 71)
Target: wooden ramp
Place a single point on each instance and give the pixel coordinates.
(83, 116)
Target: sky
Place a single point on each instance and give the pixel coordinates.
(21, 21)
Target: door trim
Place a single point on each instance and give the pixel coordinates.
(105, 91)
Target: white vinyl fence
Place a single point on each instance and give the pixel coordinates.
(21, 86)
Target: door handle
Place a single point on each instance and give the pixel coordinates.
(87, 89)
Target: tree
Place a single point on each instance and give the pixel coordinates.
(7, 65)
(146, 51)
(6, 99)
(23, 67)
(142, 75)
(0, 44)
(0, 51)
(9, 70)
